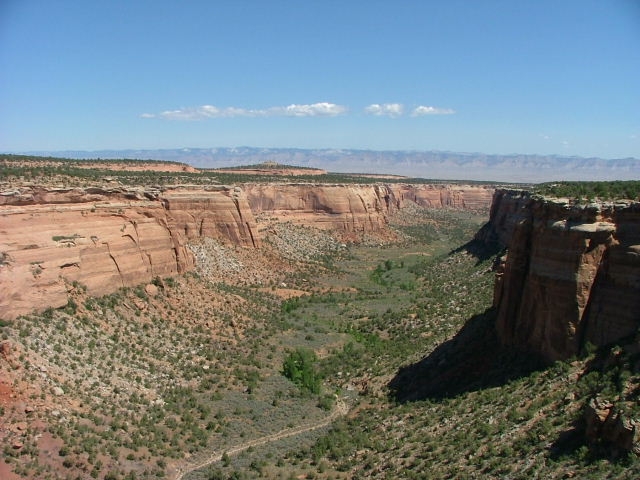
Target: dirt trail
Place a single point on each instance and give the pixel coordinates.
(340, 410)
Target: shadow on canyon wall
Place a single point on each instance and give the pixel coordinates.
(472, 360)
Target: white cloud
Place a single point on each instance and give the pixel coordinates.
(386, 109)
(322, 109)
(426, 110)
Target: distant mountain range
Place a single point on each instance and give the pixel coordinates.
(424, 164)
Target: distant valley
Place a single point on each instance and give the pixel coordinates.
(519, 168)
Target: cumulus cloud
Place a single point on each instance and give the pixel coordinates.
(427, 110)
(321, 109)
(386, 109)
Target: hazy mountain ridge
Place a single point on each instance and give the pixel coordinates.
(424, 164)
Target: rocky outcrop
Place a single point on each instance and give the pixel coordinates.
(571, 273)
(608, 428)
(222, 213)
(465, 197)
(346, 208)
(273, 169)
(106, 239)
(358, 208)
(8, 353)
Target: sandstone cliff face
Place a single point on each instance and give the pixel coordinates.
(358, 208)
(106, 239)
(571, 273)
(466, 197)
(222, 213)
(346, 208)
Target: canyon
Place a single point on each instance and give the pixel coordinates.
(55, 240)
(161, 378)
(570, 275)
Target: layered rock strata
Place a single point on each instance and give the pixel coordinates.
(465, 197)
(358, 208)
(345, 208)
(571, 273)
(107, 238)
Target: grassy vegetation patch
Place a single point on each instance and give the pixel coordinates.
(613, 190)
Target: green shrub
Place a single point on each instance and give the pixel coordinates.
(590, 190)
(299, 367)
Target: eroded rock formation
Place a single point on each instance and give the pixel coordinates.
(346, 208)
(358, 208)
(608, 428)
(467, 197)
(571, 273)
(107, 238)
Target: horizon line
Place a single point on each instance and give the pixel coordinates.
(311, 149)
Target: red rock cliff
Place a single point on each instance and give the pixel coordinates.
(571, 274)
(109, 238)
(106, 239)
(346, 208)
(358, 208)
(467, 197)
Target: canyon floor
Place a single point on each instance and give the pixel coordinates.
(183, 377)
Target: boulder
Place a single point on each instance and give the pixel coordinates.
(8, 352)
(151, 290)
(57, 391)
(608, 428)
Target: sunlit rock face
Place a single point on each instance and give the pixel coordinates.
(467, 197)
(358, 208)
(345, 208)
(571, 273)
(108, 238)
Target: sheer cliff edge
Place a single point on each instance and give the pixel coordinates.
(53, 240)
(570, 274)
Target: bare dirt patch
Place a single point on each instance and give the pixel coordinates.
(285, 292)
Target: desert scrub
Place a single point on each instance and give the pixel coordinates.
(182, 376)
(614, 190)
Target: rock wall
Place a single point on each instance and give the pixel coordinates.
(346, 208)
(358, 208)
(222, 213)
(106, 239)
(466, 197)
(571, 273)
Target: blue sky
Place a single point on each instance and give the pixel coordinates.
(547, 77)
